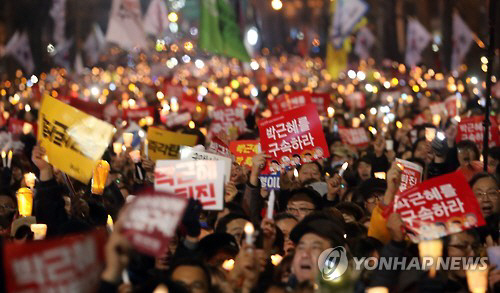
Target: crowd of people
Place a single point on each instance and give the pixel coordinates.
(318, 206)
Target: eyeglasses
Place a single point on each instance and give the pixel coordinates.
(374, 199)
(299, 210)
(489, 194)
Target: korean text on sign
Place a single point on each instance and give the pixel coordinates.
(354, 136)
(74, 141)
(202, 180)
(150, 221)
(71, 264)
(411, 175)
(163, 144)
(225, 118)
(438, 207)
(243, 151)
(293, 138)
(189, 153)
(472, 129)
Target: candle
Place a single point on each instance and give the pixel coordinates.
(127, 139)
(117, 148)
(139, 172)
(25, 201)
(380, 175)
(377, 290)
(27, 128)
(477, 279)
(249, 233)
(146, 151)
(9, 159)
(40, 230)
(4, 155)
(344, 167)
(161, 289)
(29, 179)
(432, 249)
(295, 173)
(270, 205)
(109, 223)
(228, 264)
(276, 259)
(99, 177)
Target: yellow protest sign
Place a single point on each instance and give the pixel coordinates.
(74, 141)
(163, 144)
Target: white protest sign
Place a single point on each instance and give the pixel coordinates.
(189, 153)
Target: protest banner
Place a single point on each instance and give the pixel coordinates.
(69, 264)
(299, 99)
(138, 114)
(356, 100)
(437, 108)
(438, 207)
(410, 176)
(452, 104)
(189, 153)
(243, 151)
(354, 136)
(174, 119)
(292, 138)
(164, 144)
(151, 219)
(322, 101)
(472, 129)
(91, 108)
(270, 181)
(218, 147)
(199, 179)
(278, 104)
(74, 141)
(225, 118)
(18, 126)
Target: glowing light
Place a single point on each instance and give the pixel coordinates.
(399, 124)
(235, 84)
(361, 75)
(373, 111)
(199, 64)
(368, 87)
(473, 80)
(34, 79)
(188, 46)
(331, 112)
(277, 4)
(228, 101)
(202, 90)
(186, 59)
(191, 124)
(160, 95)
(252, 36)
(94, 91)
(27, 108)
(254, 65)
(173, 17)
(484, 60)
(387, 84)
(351, 74)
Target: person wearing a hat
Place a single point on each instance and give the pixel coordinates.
(370, 193)
(312, 236)
(302, 202)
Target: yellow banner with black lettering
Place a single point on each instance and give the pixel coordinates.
(163, 144)
(74, 141)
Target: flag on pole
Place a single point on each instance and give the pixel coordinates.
(155, 20)
(219, 31)
(93, 45)
(462, 39)
(19, 47)
(364, 42)
(125, 25)
(347, 14)
(417, 38)
(58, 14)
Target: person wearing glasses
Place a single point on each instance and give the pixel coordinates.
(486, 188)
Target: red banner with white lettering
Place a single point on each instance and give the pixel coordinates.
(356, 100)
(410, 176)
(227, 119)
(472, 129)
(138, 114)
(150, 221)
(299, 99)
(243, 151)
(322, 101)
(91, 108)
(200, 179)
(69, 264)
(293, 138)
(219, 147)
(278, 104)
(438, 207)
(354, 136)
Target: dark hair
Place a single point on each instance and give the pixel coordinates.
(467, 144)
(284, 216)
(24, 231)
(296, 156)
(414, 147)
(351, 208)
(222, 223)
(192, 262)
(274, 161)
(365, 247)
(320, 168)
(482, 175)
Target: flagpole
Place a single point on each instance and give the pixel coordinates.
(491, 48)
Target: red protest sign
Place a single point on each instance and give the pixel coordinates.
(138, 114)
(356, 100)
(410, 176)
(438, 207)
(472, 129)
(16, 127)
(354, 136)
(150, 221)
(201, 179)
(91, 108)
(292, 138)
(452, 104)
(243, 151)
(322, 101)
(174, 119)
(218, 147)
(278, 104)
(299, 99)
(226, 118)
(70, 264)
